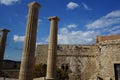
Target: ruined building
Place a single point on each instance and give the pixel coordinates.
(100, 61)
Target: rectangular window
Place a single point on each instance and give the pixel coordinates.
(117, 71)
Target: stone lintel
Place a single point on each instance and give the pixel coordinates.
(53, 18)
(34, 4)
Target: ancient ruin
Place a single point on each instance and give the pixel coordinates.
(52, 49)
(28, 56)
(3, 38)
(100, 61)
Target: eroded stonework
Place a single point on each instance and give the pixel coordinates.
(109, 55)
(86, 62)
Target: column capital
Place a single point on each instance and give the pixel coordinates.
(34, 4)
(4, 30)
(53, 18)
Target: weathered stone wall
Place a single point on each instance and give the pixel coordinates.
(41, 56)
(78, 58)
(86, 62)
(109, 54)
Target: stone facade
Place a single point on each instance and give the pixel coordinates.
(109, 55)
(86, 62)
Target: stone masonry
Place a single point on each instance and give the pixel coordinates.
(3, 39)
(86, 62)
(52, 49)
(26, 69)
(109, 55)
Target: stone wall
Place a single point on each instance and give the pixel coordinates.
(41, 56)
(86, 62)
(78, 58)
(109, 54)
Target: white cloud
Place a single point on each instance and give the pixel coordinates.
(65, 29)
(8, 2)
(110, 19)
(115, 32)
(17, 38)
(114, 28)
(72, 5)
(68, 36)
(86, 7)
(72, 26)
(76, 37)
(113, 14)
(38, 43)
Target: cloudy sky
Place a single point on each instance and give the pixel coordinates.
(80, 21)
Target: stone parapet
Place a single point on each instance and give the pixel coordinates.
(106, 38)
(110, 42)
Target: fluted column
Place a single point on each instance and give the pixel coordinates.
(52, 49)
(28, 56)
(3, 38)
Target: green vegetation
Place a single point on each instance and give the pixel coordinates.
(62, 74)
(40, 71)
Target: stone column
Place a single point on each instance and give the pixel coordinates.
(52, 49)
(3, 38)
(28, 56)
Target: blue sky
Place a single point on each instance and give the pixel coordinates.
(80, 21)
